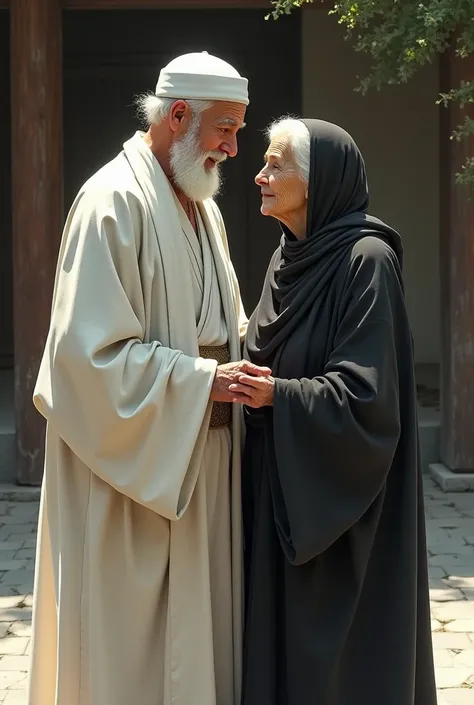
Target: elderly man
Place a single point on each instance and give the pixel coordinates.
(138, 583)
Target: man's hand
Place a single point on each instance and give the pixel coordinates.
(253, 391)
(227, 375)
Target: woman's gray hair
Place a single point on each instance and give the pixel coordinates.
(152, 109)
(298, 137)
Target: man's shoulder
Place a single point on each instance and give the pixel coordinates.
(111, 192)
(115, 175)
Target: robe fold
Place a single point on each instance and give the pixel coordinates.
(138, 579)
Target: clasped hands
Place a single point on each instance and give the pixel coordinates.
(243, 383)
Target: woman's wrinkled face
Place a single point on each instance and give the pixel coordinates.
(284, 193)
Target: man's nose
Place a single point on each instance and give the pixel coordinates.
(230, 146)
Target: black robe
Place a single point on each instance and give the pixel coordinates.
(337, 606)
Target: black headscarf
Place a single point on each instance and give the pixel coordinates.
(300, 270)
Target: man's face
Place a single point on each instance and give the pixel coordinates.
(210, 138)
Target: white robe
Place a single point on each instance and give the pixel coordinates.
(138, 587)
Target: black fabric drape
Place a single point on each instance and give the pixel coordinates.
(337, 591)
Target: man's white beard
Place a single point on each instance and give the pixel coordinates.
(187, 166)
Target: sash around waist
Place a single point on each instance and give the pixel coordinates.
(221, 414)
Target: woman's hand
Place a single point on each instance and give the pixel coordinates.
(253, 391)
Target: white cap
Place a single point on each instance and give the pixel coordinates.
(203, 77)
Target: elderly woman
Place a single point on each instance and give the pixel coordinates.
(337, 588)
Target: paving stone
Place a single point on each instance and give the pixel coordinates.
(9, 520)
(15, 615)
(12, 566)
(435, 571)
(452, 562)
(13, 645)
(450, 677)
(25, 591)
(443, 658)
(446, 595)
(466, 523)
(439, 534)
(25, 553)
(441, 699)
(8, 591)
(20, 628)
(461, 582)
(456, 696)
(464, 659)
(23, 509)
(10, 602)
(451, 640)
(451, 548)
(461, 625)
(443, 511)
(456, 610)
(439, 502)
(15, 697)
(11, 545)
(9, 678)
(30, 543)
(8, 555)
(466, 571)
(18, 577)
(18, 531)
(14, 663)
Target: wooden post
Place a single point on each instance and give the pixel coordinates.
(36, 88)
(457, 281)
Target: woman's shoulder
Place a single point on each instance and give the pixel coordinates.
(372, 248)
(370, 262)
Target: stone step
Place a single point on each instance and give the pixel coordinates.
(7, 455)
(429, 428)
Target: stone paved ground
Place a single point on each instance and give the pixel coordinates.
(450, 524)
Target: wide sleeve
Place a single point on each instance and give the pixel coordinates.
(335, 436)
(134, 412)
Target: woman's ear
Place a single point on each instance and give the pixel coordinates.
(306, 194)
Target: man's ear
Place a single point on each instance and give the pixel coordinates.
(178, 114)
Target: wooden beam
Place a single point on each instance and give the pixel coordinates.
(169, 4)
(36, 86)
(457, 281)
(163, 4)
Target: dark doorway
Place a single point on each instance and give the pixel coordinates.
(6, 265)
(111, 56)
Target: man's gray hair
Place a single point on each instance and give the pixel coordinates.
(298, 137)
(153, 109)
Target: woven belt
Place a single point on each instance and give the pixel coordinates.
(221, 414)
